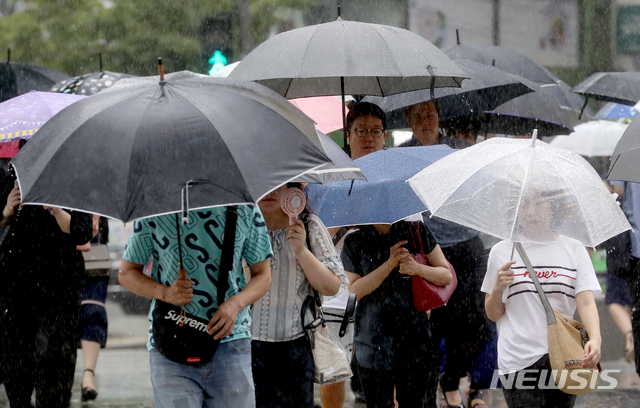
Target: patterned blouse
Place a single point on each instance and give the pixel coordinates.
(276, 315)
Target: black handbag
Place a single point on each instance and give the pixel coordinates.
(182, 337)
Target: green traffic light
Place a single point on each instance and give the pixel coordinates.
(218, 61)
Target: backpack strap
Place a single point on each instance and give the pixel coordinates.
(228, 244)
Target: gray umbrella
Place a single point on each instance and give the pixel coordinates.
(625, 160)
(618, 87)
(129, 151)
(340, 168)
(347, 57)
(370, 59)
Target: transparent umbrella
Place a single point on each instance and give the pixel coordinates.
(487, 186)
(593, 138)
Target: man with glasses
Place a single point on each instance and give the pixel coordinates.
(366, 124)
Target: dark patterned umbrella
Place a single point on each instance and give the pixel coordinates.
(88, 84)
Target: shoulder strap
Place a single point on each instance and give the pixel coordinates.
(316, 295)
(228, 244)
(551, 317)
(416, 236)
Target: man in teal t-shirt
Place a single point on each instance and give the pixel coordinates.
(226, 380)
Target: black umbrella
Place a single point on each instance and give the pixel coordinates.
(626, 156)
(506, 59)
(17, 78)
(487, 88)
(129, 152)
(618, 87)
(519, 116)
(89, 84)
(516, 63)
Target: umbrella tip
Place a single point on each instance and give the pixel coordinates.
(8, 55)
(457, 37)
(160, 69)
(339, 11)
(534, 136)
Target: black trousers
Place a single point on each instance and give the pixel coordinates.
(463, 321)
(409, 382)
(537, 397)
(40, 352)
(283, 373)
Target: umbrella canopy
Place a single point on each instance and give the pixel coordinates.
(23, 115)
(384, 198)
(88, 84)
(487, 88)
(486, 186)
(340, 168)
(506, 59)
(616, 111)
(127, 153)
(17, 78)
(516, 63)
(519, 116)
(536, 110)
(326, 111)
(594, 138)
(347, 57)
(626, 156)
(618, 87)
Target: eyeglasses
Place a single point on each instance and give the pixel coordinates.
(362, 132)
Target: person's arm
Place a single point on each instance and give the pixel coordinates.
(588, 312)
(437, 272)
(13, 201)
(84, 247)
(364, 285)
(225, 317)
(131, 277)
(62, 217)
(493, 302)
(319, 276)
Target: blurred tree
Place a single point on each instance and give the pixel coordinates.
(68, 34)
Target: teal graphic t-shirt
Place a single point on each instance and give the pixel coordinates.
(156, 239)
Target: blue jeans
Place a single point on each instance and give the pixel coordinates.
(225, 381)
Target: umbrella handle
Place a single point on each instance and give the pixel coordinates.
(160, 69)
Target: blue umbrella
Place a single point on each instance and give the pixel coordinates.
(385, 198)
(616, 111)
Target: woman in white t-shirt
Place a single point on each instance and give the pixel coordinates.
(569, 281)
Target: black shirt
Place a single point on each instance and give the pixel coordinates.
(389, 332)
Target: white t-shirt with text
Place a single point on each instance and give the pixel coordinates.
(563, 271)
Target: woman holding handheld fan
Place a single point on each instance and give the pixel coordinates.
(304, 259)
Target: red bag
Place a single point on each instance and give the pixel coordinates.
(426, 295)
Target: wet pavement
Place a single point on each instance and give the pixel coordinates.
(122, 374)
